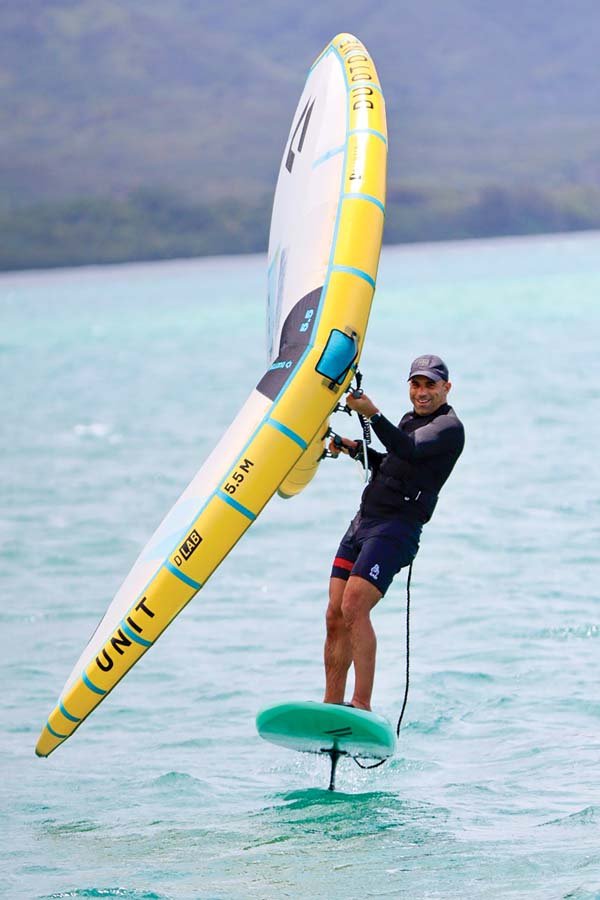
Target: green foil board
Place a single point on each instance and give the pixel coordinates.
(322, 727)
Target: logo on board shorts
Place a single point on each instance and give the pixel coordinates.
(374, 573)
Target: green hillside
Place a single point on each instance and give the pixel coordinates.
(129, 131)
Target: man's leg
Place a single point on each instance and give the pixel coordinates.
(338, 649)
(350, 638)
(359, 598)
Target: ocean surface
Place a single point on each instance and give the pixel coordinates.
(116, 383)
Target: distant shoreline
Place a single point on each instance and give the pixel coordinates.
(152, 225)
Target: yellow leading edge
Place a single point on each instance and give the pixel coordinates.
(282, 448)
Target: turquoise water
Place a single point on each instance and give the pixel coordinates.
(116, 384)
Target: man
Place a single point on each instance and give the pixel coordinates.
(384, 535)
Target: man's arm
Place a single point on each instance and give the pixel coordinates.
(440, 436)
(355, 450)
(444, 434)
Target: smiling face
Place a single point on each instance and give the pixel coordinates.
(427, 395)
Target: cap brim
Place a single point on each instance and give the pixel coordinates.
(435, 376)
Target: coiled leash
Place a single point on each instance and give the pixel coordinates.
(362, 454)
(364, 424)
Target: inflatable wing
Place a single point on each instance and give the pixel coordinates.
(323, 255)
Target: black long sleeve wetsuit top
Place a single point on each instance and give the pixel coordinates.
(421, 453)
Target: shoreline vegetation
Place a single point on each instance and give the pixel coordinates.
(136, 132)
(151, 224)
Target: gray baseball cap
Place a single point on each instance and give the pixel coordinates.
(431, 366)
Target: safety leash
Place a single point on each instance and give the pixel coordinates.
(365, 427)
(364, 424)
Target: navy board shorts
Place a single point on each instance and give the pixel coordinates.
(376, 550)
